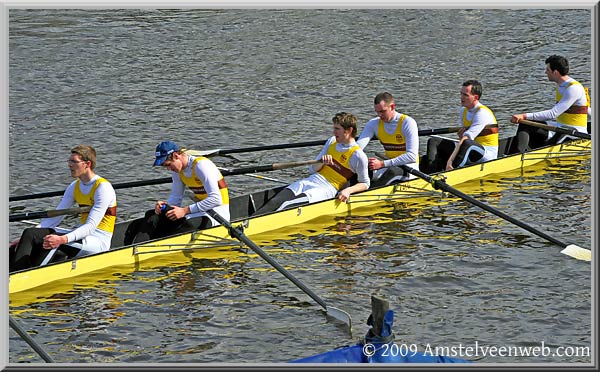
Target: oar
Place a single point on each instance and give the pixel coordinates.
(557, 129)
(44, 214)
(569, 249)
(238, 234)
(216, 152)
(268, 168)
(258, 176)
(156, 181)
(25, 336)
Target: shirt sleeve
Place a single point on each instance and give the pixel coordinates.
(67, 201)
(369, 132)
(103, 198)
(359, 163)
(568, 99)
(177, 190)
(411, 134)
(481, 118)
(209, 174)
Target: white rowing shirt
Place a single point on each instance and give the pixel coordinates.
(411, 135)
(209, 174)
(93, 239)
(317, 188)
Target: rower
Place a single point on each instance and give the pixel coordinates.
(572, 109)
(399, 136)
(477, 140)
(38, 244)
(169, 217)
(341, 157)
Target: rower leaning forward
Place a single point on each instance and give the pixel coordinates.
(170, 217)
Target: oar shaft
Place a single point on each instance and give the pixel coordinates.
(25, 336)
(243, 238)
(46, 214)
(431, 132)
(225, 172)
(116, 186)
(557, 129)
(439, 184)
(424, 132)
(270, 147)
(267, 168)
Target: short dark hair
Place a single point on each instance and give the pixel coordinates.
(476, 87)
(347, 121)
(558, 63)
(384, 96)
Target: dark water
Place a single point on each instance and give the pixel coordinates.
(123, 80)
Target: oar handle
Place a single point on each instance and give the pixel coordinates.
(431, 132)
(557, 129)
(46, 214)
(243, 238)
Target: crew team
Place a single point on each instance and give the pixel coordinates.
(344, 169)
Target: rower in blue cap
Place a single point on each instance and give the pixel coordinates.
(202, 177)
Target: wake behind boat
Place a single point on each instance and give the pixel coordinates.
(242, 208)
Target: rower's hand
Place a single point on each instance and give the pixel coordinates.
(344, 195)
(461, 131)
(327, 159)
(53, 241)
(176, 213)
(14, 243)
(515, 119)
(375, 163)
(158, 206)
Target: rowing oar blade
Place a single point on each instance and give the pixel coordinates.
(239, 235)
(577, 252)
(571, 250)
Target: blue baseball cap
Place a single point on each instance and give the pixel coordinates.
(163, 150)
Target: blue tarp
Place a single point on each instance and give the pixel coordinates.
(355, 354)
(378, 349)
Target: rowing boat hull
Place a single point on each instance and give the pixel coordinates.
(213, 241)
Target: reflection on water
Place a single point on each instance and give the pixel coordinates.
(125, 80)
(452, 272)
